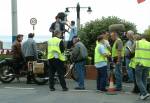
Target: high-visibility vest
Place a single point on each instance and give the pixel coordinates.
(53, 47)
(132, 63)
(98, 56)
(115, 51)
(107, 50)
(142, 53)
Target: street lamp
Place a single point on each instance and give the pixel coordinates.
(78, 13)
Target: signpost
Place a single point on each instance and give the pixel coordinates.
(33, 22)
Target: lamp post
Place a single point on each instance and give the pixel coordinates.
(78, 13)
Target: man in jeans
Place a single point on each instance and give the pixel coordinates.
(100, 60)
(129, 44)
(142, 60)
(117, 54)
(79, 54)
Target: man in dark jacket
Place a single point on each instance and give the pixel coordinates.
(17, 54)
(79, 54)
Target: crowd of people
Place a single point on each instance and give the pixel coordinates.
(136, 54)
(109, 50)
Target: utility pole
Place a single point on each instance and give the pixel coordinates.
(14, 19)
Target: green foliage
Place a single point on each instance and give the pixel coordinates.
(88, 60)
(89, 32)
(147, 31)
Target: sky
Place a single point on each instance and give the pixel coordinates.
(46, 10)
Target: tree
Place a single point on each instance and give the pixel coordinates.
(147, 31)
(89, 32)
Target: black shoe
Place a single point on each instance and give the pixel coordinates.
(30, 82)
(135, 91)
(79, 88)
(103, 90)
(118, 89)
(148, 87)
(52, 89)
(65, 89)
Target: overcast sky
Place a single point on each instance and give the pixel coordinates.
(46, 10)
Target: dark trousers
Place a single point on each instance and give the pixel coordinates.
(101, 78)
(135, 84)
(29, 74)
(56, 65)
(18, 63)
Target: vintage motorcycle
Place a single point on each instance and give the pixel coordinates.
(8, 74)
(7, 70)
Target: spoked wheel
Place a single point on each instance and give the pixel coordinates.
(71, 72)
(40, 79)
(6, 74)
(74, 74)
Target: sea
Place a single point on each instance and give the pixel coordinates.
(7, 39)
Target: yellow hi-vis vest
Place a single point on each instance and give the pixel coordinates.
(132, 63)
(114, 50)
(98, 56)
(53, 47)
(107, 50)
(142, 53)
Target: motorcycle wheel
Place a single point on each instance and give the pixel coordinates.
(6, 74)
(40, 79)
(74, 74)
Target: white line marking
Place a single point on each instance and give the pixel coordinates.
(127, 86)
(18, 88)
(80, 90)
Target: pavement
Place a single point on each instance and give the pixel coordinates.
(31, 93)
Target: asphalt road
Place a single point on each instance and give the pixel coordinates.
(31, 93)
